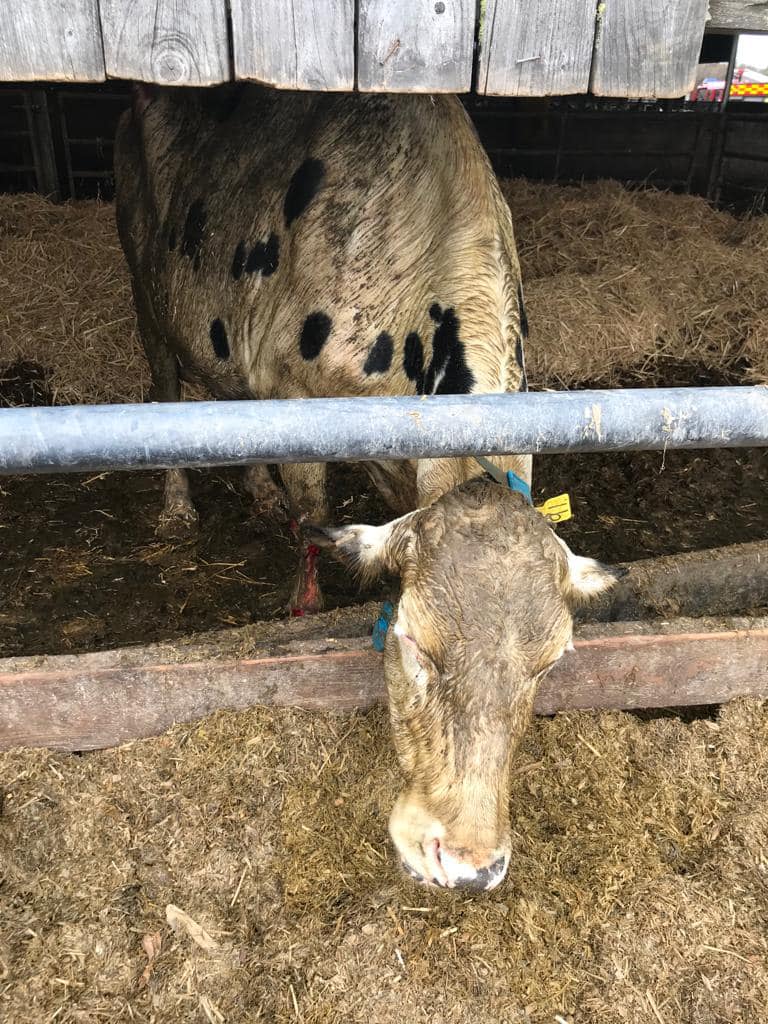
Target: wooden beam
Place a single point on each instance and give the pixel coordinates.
(50, 42)
(165, 41)
(719, 581)
(738, 15)
(295, 44)
(415, 45)
(536, 47)
(101, 700)
(647, 48)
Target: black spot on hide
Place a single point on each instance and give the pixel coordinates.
(263, 257)
(302, 189)
(380, 356)
(194, 231)
(523, 314)
(219, 339)
(171, 239)
(314, 334)
(413, 361)
(238, 260)
(521, 363)
(448, 373)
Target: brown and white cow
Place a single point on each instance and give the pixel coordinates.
(287, 245)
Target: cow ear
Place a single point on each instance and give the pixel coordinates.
(586, 577)
(368, 550)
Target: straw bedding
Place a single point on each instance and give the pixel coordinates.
(238, 869)
(615, 280)
(638, 890)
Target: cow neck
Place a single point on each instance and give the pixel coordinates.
(436, 477)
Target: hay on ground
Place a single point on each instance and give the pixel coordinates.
(637, 894)
(616, 280)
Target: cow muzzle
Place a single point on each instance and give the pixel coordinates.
(431, 856)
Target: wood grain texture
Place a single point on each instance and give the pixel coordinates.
(295, 44)
(536, 47)
(720, 581)
(647, 48)
(415, 45)
(102, 703)
(50, 41)
(172, 42)
(746, 15)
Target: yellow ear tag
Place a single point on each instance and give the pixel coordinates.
(556, 509)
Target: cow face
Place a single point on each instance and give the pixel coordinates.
(485, 609)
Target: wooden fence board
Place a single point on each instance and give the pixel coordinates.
(89, 703)
(51, 41)
(172, 42)
(295, 44)
(536, 47)
(743, 15)
(647, 47)
(415, 45)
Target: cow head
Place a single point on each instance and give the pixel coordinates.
(487, 590)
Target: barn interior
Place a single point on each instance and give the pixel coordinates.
(238, 867)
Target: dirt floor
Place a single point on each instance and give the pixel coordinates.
(638, 891)
(620, 289)
(83, 570)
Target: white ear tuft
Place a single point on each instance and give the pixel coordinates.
(587, 577)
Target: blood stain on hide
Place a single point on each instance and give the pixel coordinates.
(413, 361)
(379, 357)
(314, 334)
(194, 231)
(304, 185)
(238, 260)
(219, 339)
(263, 257)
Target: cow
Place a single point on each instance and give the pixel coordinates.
(298, 245)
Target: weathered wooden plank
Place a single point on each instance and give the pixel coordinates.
(536, 47)
(166, 41)
(295, 44)
(50, 41)
(720, 581)
(647, 48)
(739, 15)
(415, 45)
(615, 666)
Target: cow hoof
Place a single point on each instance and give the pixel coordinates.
(179, 523)
(270, 505)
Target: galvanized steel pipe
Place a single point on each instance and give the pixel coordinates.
(106, 437)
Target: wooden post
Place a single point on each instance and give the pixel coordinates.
(647, 47)
(43, 153)
(415, 45)
(536, 48)
(295, 44)
(165, 41)
(50, 42)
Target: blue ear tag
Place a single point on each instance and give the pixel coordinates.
(516, 483)
(381, 626)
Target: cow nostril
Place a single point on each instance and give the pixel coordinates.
(485, 878)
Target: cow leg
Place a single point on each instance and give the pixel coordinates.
(268, 498)
(305, 483)
(178, 518)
